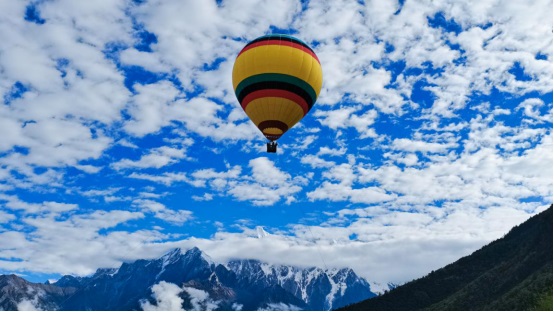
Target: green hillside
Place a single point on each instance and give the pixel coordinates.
(511, 273)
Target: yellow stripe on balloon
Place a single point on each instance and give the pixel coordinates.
(273, 131)
(271, 59)
(268, 107)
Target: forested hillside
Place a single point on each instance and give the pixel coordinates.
(511, 273)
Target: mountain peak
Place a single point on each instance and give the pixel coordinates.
(11, 279)
(261, 232)
(171, 257)
(195, 252)
(173, 253)
(105, 271)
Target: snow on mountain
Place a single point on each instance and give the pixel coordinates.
(380, 288)
(261, 232)
(19, 294)
(196, 281)
(319, 289)
(169, 258)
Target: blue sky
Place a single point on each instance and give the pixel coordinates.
(121, 137)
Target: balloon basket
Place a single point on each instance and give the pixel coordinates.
(272, 147)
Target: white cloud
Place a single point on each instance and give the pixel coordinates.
(153, 107)
(156, 158)
(14, 203)
(266, 185)
(395, 246)
(218, 180)
(421, 146)
(167, 178)
(344, 190)
(200, 300)
(100, 193)
(28, 305)
(480, 176)
(269, 184)
(280, 307)
(78, 244)
(530, 108)
(162, 212)
(169, 297)
(316, 162)
(201, 116)
(205, 197)
(166, 296)
(72, 89)
(408, 159)
(330, 151)
(487, 52)
(265, 172)
(177, 33)
(457, 170)
(147, 60)
(6, 217)
(344, 117)
(180, 26)
(66, 142)
(88, 168)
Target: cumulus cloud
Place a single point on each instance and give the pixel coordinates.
(5, 217)
(14, 203)
(344, 190)
(421, 146)
(279, 307)
(76, 244)
(60, 90)
(344, 117)
(153, 107)
(166, 296)
(156, 158)
(166, 178)
(431, 136)
(396, 246)
(265, 185)
(200, 300)
(28, 305)
(169, 297)
(147, 60)
(531, 109)
(162, 212)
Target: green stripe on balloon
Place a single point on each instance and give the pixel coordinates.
(280, 78)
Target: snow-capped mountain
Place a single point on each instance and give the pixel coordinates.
(192, 280)
(319, 289)
(18, 294)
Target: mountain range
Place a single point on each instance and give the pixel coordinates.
(511, 273)
(190, 280)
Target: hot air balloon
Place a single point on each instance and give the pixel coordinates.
(277, 79)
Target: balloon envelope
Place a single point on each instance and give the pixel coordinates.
(277, 79)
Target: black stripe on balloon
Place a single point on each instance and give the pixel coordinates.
(273, 124)
(276, 85)
(277, 37)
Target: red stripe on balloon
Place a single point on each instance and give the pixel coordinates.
(279, 42)
(275, 93)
